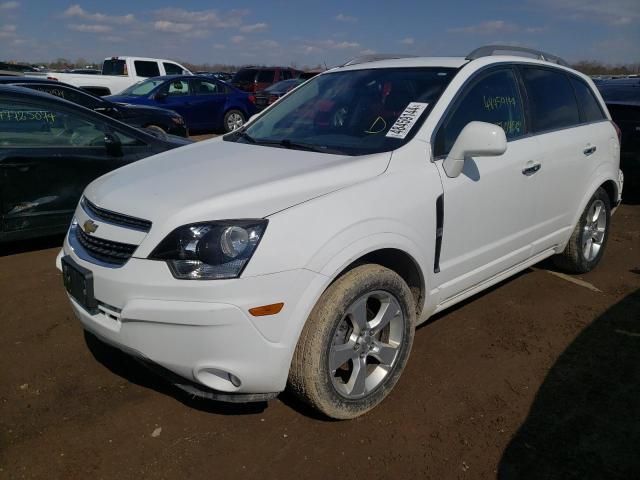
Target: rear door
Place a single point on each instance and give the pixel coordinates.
(208, 102)
(489, 208)
(48, 154)
(565, 122)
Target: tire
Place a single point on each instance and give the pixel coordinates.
(233, 120)
(332, 334)
(588, 240)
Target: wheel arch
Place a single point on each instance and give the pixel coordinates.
(398, 261)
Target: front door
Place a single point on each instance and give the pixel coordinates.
(489, 208)
(208, 103)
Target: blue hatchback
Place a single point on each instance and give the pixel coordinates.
(205, 103)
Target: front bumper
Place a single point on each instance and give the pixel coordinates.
(201, 331)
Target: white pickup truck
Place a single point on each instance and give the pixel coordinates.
(119, 73)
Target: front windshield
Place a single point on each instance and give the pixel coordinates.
(351, 112)
(143, 88)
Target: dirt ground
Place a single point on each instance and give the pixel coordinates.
(537, 378)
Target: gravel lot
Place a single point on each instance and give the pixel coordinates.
(537, 378)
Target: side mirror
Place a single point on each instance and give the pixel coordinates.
(112, 145)
(161, 95)
(477, 139)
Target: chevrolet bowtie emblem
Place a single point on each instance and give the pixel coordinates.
(90, 226)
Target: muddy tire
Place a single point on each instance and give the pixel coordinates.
(589, 238)
(355, 343)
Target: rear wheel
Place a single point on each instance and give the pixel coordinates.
(233, 120)
(589, 238)
(355, 344)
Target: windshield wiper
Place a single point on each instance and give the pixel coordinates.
(244, 135)
(286, 143)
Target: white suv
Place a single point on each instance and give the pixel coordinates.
(303, 249)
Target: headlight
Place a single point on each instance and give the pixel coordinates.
(178, 120)
(211, 250)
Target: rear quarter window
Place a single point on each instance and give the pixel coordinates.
(589, 105)
(552, 101)
(146, 69)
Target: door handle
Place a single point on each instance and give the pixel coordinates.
(589, 150)
(530, 170)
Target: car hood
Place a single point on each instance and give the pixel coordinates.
(215, 179)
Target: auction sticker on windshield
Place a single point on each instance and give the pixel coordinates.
(406, 120)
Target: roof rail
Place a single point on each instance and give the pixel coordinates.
(376, 57)
(491, 50)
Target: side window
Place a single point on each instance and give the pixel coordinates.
(493, 98)
(285, 75)
(178, 88)
(589, 106)
(551, 99)
(147, 69)
(172, 69)
(266, 76)
(32, 125)
(204, 87)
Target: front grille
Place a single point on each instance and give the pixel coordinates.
(115, 218)
(107, 251)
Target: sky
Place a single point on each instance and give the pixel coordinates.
(305, 32)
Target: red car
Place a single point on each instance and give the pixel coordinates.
(254, 79)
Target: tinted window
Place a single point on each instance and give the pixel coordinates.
(285, 74)
(245, 75)
(591, 111)
(266, 76)
(114, 67)
(146, 69)
(493, 98)
(551, 99)
(172, 69)
(32, 125)
(204, 87)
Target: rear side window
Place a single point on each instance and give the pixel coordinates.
(266, 76)
(493, 98)
(552, 101)
(146, 69)
(114, 67)
(245, 75)
(172, 69)
(205, 87)
(589, 106)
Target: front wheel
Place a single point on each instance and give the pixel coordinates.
(233, 120)
(355, 343)
(589, 238)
